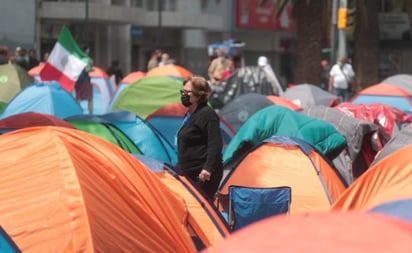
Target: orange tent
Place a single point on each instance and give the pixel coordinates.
(35, 71)
(283, 161)
(277, 100)
(204, 217)
(171, 70)
(132, 77)
(388, 180)
(322, 232)
(63, 190)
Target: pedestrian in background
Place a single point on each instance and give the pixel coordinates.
(341, 78)
(199, 141)
(217, 66)
(154, 59)
(115, 70)
(4, 55)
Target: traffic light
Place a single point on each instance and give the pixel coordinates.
(346, 18)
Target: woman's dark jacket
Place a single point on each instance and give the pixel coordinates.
(200, 141)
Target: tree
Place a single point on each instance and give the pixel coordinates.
(311, 35)
(312, 18)
(366, 50)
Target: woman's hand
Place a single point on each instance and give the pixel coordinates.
(204, 175)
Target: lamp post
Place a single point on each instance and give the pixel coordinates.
(334, 31)
(342, 33)
(159, 24)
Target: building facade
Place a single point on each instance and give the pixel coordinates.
(129, 30)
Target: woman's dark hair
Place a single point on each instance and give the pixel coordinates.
(200, 87)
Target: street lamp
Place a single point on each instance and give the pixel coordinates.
(159, 27)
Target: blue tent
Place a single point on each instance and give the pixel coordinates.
(7, 245)
(400, 209)
(101, 97)
(149, 141)
(43, 97)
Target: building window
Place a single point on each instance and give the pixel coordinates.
(136, 3)
(167, 5)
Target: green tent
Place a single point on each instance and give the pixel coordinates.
(278, 120)
(13, 78)
(108, 132)
(148, 94)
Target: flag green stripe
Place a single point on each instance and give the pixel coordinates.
(67, 41)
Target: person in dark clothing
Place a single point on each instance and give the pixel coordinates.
(199, 141)
(116, 71)
(33, 62)
(4, 55)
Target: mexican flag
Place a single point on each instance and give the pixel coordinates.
(66, 62)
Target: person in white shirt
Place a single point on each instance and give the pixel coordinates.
(341, 78)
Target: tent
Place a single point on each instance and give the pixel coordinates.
(13, 79)
(147, 95)
(285, 161)
(248, 79)
(35, 71)
(99, 76)
(132, 77)
(278, 120)
(47, 98)
(278, 100)
(402, 139)
(306, 95)
(388, 180)
(241, 108)
(400, 80)
(79, 193)
(358, 134)
(171, 70)
(211, 228)
(30, 119)
(105, 130)
(322, 232)
(400, 209)
(102, 92)
(145, 137)
(102, 88)
(168, 119)
(385, 94)
(387, 117)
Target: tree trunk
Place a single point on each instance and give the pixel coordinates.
(366, 44)
(309, 37)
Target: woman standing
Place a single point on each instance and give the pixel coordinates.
(199, 139)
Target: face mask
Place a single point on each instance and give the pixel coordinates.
(185, 98)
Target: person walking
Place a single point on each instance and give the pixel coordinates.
(341, 78)
(217, 66)
(199, 141)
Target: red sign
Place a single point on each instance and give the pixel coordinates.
(250, 15)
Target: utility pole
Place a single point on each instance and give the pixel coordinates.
(334, 31)
(159, 27)
(343, 5)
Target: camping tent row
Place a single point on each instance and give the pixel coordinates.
(86, 194)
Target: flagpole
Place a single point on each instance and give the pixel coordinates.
(86, 24)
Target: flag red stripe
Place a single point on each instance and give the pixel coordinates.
(50, 73)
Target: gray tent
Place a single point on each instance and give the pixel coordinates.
(249, 79)
(358, 133)
(306, 95)
(401, 139)
(403, 81)
(237, 111)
